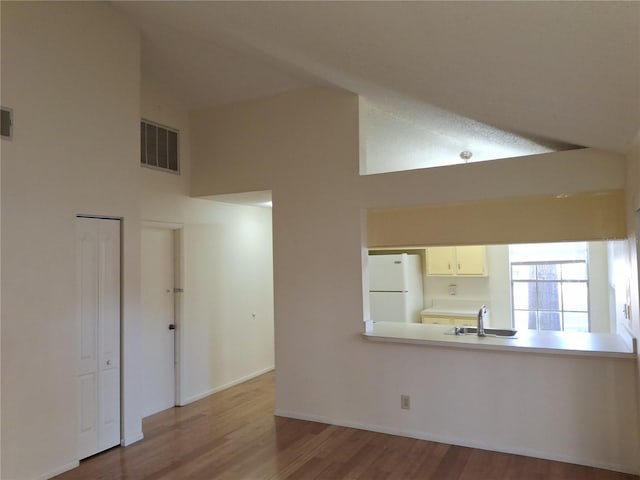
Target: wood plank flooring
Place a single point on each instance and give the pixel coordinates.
(234, 435)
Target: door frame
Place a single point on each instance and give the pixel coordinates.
(178, 302)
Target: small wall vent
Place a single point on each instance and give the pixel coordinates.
(6, 123)
(159, 147)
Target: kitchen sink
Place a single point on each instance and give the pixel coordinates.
(488, 332)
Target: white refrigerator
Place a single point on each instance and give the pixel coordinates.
(395, 288)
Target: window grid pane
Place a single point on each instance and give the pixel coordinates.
(547, 271)
(574, 271)
(550, 295)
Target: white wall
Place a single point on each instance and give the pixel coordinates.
(226, 283)
(71, 74)
(227, 269)
(70, 71)
(633, 226)
(633, 230)
(304, 146)
(476, 288)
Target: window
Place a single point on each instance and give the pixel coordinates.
(550, 291)
(159, 147)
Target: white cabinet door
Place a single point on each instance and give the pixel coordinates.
(441, 260)
(471, 260)
(98, 334)
(466, 260)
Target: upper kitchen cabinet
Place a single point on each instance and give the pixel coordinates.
(471, 260)
(441, 260)
(468, 261)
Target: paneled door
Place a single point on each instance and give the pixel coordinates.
(98, 334)
(158, 319)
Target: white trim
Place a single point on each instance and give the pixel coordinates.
(131, 439)
(160, 224)
(630, 469)
(59, 470)
(205, 394)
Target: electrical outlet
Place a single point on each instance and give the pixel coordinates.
(405, 402)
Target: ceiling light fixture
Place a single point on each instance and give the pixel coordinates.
(466, 155)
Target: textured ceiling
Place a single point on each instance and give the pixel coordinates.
(537, 75)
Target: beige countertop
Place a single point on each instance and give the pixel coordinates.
(562, 343)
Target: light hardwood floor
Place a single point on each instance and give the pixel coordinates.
(234, 435)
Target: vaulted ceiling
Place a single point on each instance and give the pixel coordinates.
(537, 75)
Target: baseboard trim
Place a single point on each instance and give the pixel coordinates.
(59, 470)
(630, 469)
(211, 391)
(131, 439)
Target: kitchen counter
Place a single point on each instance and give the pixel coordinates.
(560, 343)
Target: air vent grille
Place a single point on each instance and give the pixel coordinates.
(6, 123)
(159, 147)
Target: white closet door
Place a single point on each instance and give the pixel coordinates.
(109, 409)
(109, 294)
(87, 288)
(98, 277)
(88, 414)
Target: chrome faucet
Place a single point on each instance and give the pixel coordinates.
(482, 316)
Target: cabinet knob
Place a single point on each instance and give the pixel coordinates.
(108, 362)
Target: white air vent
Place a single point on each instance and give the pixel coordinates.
(6, 123)
(159, 147)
